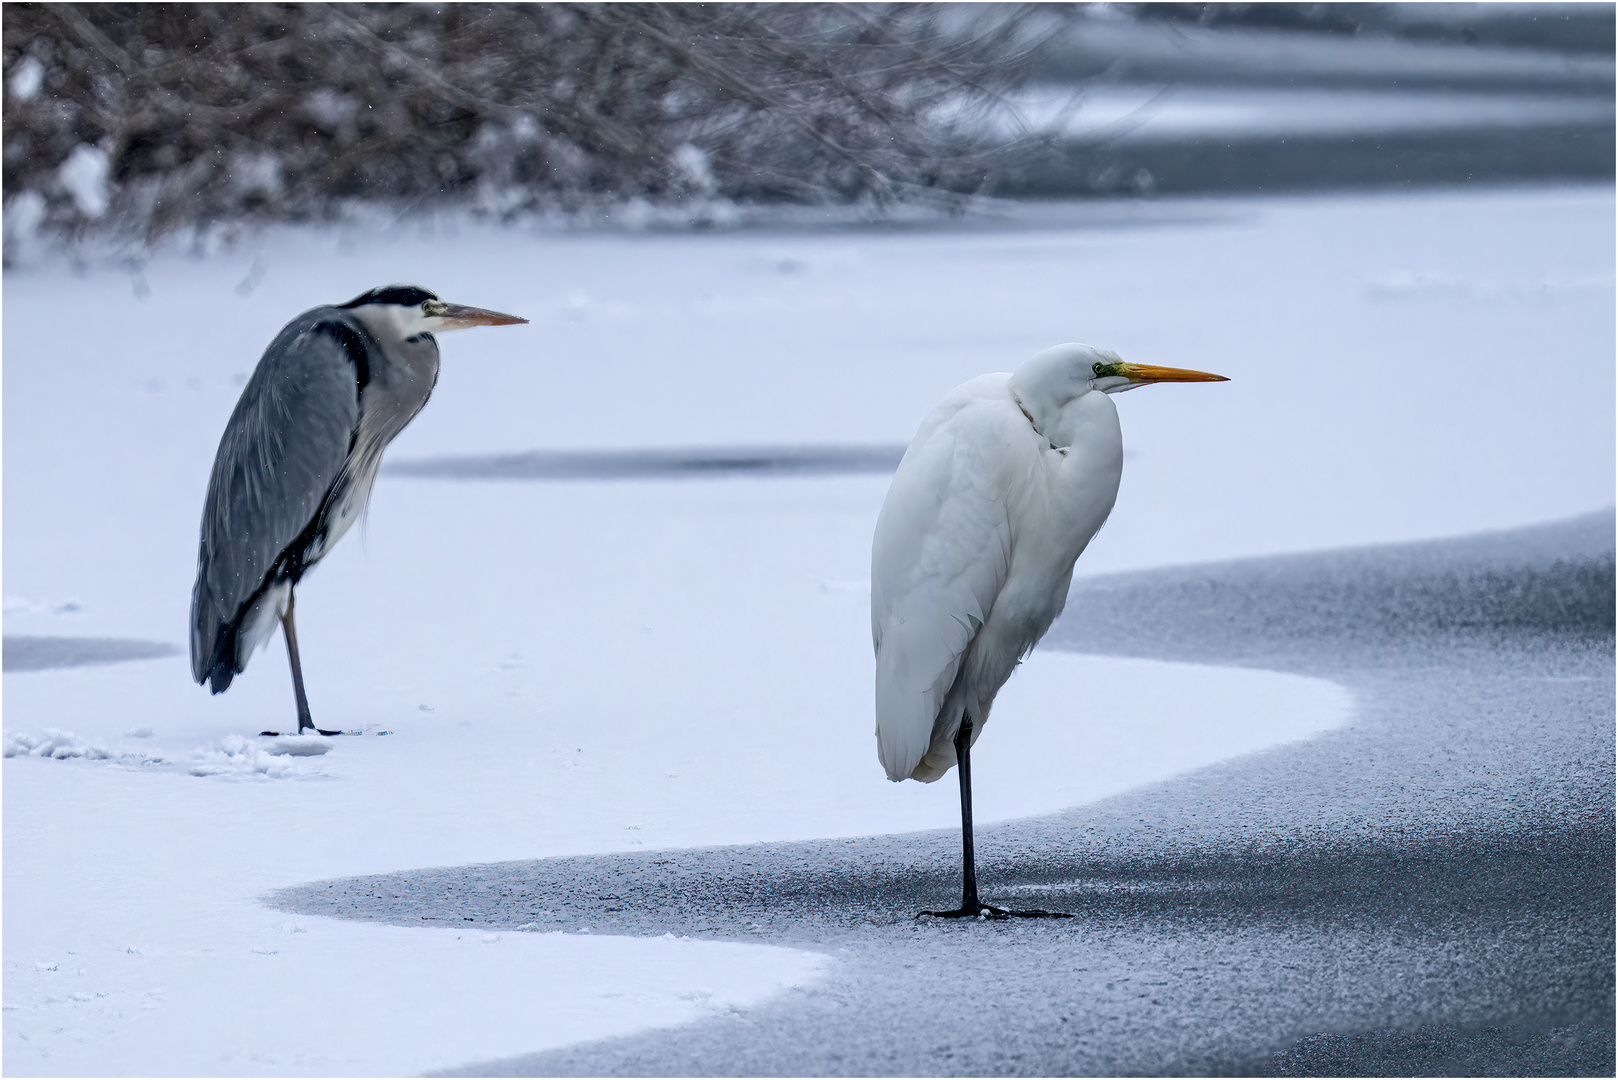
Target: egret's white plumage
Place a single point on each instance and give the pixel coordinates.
(1002, 488)
(974, 549)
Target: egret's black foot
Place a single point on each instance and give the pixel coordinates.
(986, 911)
(272, 734)
(323, 731)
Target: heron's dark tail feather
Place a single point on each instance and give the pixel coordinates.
(219, 677)
(217, 666)
(213, 641)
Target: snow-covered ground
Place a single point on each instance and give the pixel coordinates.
(590, 666)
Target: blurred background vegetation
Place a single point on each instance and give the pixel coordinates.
(166, 114)
(128, 121)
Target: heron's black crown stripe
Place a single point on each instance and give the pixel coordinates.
(404, 295)
(353, 343)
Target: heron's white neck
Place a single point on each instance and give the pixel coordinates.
(394, 321)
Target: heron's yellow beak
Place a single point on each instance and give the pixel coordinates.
(460, 317)
(1150, 373)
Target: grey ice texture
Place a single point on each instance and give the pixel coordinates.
(20, 652)
(1426, 891)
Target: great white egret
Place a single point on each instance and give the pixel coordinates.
(297, 460)
(1002, 488)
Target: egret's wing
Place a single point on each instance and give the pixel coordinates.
(939, 559)
(284, 446)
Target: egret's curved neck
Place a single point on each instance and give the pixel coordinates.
(1057, 422)
(1029, 413)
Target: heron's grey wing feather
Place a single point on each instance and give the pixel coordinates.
(285, 444)
(940, 557)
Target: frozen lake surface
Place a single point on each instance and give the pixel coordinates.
(699, 673)
(1147, 111)
(605, 666)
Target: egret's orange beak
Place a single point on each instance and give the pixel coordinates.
(460, 317)
(1150, 373)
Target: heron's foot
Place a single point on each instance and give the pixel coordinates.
(311, 727)
(988, 911)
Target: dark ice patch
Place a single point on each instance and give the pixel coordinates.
(1546, 587)
(28, 653)
(1545, 1049)
(693, 462)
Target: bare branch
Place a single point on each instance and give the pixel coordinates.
(212, 113)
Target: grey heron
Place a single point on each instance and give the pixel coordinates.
(297, 460)
(1001, 490)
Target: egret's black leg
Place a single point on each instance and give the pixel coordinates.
(969, 863)
(287, 627)
(971, 907)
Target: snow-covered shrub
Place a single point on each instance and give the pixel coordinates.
(145, 118)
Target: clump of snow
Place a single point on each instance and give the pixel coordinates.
(697, 170)
(27, 78)
(59, 745)
(84, 175)
(53, 744)
(296, 746)
(256, 174)
(330, 108)
(236, 758)
(24, 214)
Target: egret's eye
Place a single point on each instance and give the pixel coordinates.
(1097, 368)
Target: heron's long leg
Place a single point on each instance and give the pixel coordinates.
(971, 907)
(304, 720)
